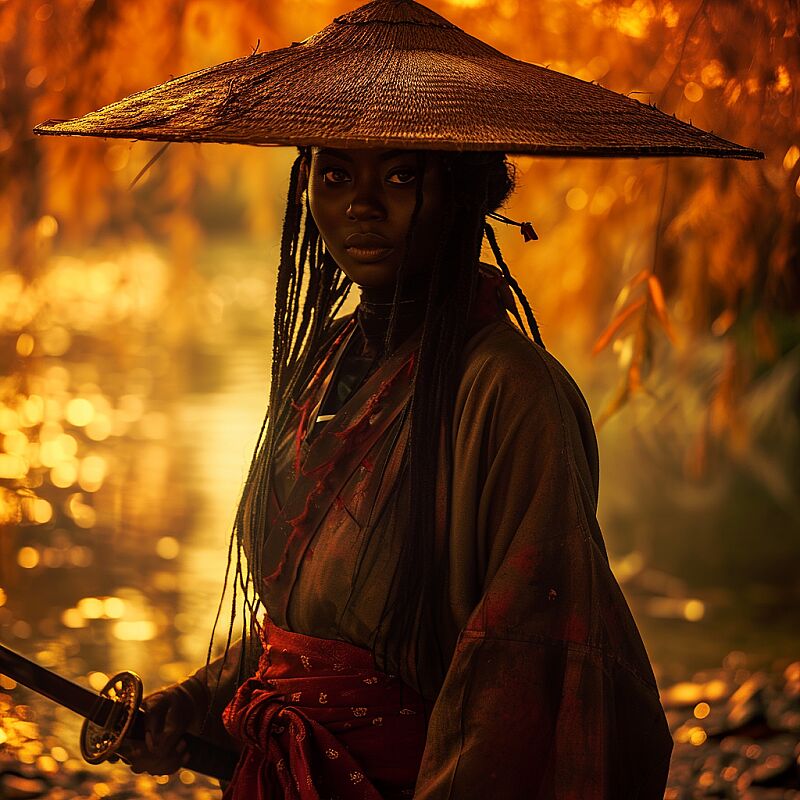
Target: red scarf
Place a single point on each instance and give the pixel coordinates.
(318, 721)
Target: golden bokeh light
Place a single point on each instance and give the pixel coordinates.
(712, 74)
(15, 443)
(602, 200)
(97, 680)
(79, 412)
(576, 198)
(12, 468)
(25, 344)
(47, 764)
(40, 510)
(47, 226)
(64, 474)
(90, 607)
(693, 92)
(168, 547)
(32, 411)
(9, 419)
(72, 618)
(28, 557)
(694, 610)
(100, 428)
(113, 607)
(186, 777)
(59, 754)
(135, 631)
(697, 736)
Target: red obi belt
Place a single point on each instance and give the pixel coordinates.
(318, 721)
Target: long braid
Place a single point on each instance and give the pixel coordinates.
(532, 325)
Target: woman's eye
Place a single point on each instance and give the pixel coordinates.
(334, 175)
(401, 176)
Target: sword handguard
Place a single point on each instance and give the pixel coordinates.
(101, 742)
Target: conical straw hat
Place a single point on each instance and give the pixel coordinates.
(393, 73)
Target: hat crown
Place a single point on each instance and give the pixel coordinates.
(394, 12)
(398, 25)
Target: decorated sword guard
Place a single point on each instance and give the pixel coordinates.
(101, 742)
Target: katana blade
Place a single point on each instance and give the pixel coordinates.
(51, 685)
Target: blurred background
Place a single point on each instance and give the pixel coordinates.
(135, 338)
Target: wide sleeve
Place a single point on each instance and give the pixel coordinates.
(549, 693)
(211, 688)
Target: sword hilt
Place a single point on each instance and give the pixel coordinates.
(126, 720)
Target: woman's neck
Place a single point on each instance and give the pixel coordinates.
(375, 310)
(415, 287)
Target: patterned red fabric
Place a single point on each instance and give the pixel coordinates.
(318, 721)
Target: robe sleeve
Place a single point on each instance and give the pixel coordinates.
(211, 688)
(549, 693)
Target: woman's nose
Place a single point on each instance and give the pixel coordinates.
(366, 205)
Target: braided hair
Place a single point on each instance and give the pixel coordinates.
(310, 292)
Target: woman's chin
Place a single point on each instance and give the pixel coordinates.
(372, 274)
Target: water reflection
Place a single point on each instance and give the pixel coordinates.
(126, 434)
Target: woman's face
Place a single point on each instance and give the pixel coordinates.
(362, 201)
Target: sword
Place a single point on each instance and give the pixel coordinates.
(110, 716)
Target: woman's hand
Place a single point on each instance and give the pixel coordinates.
(169, 713)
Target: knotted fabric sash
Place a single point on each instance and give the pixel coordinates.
(318, 721)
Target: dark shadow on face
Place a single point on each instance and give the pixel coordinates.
(362, 201)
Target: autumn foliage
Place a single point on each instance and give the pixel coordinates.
(641, 259)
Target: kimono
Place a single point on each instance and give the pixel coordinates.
(548, 691)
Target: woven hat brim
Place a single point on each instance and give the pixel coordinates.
(385, 91)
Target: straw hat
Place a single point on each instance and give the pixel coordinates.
(393, 73)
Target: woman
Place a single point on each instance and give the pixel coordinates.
(513, 646)
(419, 519)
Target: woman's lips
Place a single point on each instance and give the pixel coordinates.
(368, 254)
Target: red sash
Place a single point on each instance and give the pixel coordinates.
(319, 721)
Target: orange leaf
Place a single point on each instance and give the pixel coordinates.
(640, 276)
(628, 287)
(617, 402)
(616, 324)
(634, 377)
(721, 325)
(657, 296)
